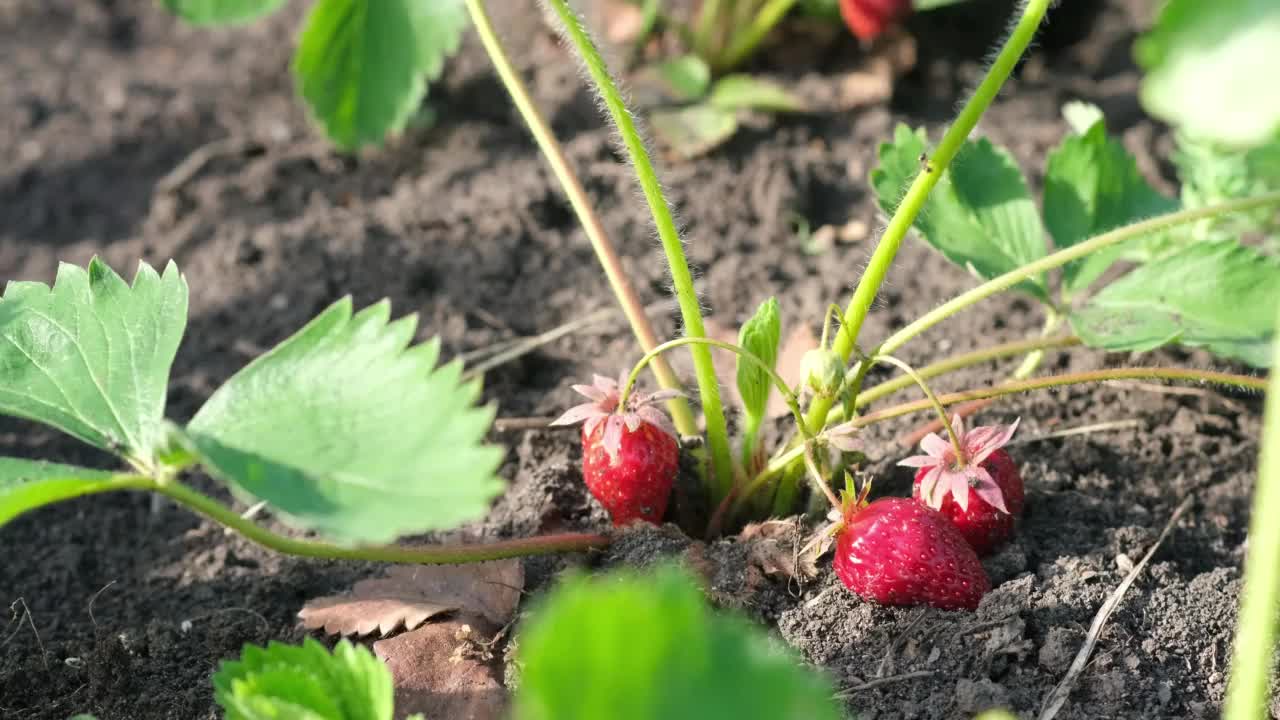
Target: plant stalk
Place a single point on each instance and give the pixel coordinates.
(1062, 257)
(568, 179)
(1256, 633)
(780, 463)
(420, 555)
(745, 43)
(913, 202)
(720, 480)
(956, 445)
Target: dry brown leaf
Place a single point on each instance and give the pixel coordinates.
(798, 342)
(412, 594)
(774, 546)
(437, 672)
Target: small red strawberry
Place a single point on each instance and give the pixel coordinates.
(869, 18)
(629, 457)
(982, 493)
(896, 551)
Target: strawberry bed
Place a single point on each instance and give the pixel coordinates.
(124, 608)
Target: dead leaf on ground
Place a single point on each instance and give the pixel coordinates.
(798, 342)
(410, 595)
(775, 546)
(442, 671)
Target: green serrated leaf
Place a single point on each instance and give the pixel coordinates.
(304, 682)
(745, 92)
(693, 130)
(980, 215)
(91, 356)
(1220, 296)
(28, 484)
(643, 647)
(1208, 67)
(1092, 185)
(759, 336)
(363, 66)
(221, 12)
(345, 431)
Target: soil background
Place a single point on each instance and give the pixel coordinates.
(123, 607)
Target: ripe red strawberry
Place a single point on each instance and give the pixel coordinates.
(869, 18)
(982, 493)
(629, 458)
(896, 551)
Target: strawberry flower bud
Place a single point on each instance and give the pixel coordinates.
(823, 371)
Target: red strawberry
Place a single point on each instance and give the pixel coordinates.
(869, 18)
(896, 551)
(629, 458)
(982, 493)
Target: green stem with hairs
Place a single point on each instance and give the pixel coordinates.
(721, 477)
(780, 463)
(792, 401)
(913, 202)
(568, 179)
(745, 43)
(1062, 257)
(421, 555)
(929, 394)
(1256, 633)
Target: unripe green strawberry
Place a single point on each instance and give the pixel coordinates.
(629, 458)
(896, 551)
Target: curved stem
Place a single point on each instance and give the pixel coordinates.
(1062, 257)
(1256, 633)
(815, 475)
(781, 462)
(913, 202)
(958, 362)
(744, 43)
(604, 249)
(422, 555)
(792, 401)
(937, 405)
(681, 277)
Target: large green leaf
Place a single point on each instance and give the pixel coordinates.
(647, 647)
(1221, 296)
(363, 66)
(980, 215)
(91, 356)
(28, 484)
(1211, 173)
(1092, 185)
(305, 682)
(219, 12)
(344, 430)
(1211, 66)
(758, 336)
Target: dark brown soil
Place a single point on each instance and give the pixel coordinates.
(123, 609)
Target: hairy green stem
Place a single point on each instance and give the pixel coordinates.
(1256, 633)
(964, 360)
(792, 401)
(933, 399)
(780, 463)
(421, 555)
(1062, 257)
(721, 476)
(914, 200)
(568, 179)
(745, 43)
